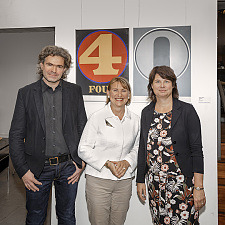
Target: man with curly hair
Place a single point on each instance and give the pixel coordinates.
(47, 124)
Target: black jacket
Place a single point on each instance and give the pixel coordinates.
(27, 133)
(186, 139)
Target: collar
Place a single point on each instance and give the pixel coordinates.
(176, 104)
(45, 87)
(109, 114)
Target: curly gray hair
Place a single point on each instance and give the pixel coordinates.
(52, 50)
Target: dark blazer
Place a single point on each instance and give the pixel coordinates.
(27, 133)
(186, 139)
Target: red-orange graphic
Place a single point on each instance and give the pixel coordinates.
(101, 56)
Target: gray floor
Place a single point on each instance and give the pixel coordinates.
(12, 200)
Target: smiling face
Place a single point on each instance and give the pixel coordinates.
(53, 69)
(118, 95)
(162, 88)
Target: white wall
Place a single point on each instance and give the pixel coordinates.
(19, 49)
(201, 15)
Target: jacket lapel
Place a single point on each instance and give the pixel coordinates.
(149, 115)
(39, 103)
(148, 118)
(176, 112)
(65, 101)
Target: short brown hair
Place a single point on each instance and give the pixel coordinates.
(125, 84)
(52, 50)
(166, 73)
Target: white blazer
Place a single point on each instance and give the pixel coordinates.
(106, 137)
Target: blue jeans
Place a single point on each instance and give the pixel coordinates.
(37, 202)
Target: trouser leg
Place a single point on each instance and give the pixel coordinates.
(98, 197)
(37, 202)
(120, 201)
(65, 194)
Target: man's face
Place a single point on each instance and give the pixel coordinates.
(53, 69)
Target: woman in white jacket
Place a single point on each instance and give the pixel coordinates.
(109, 146)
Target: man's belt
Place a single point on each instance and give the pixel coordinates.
(58, 159)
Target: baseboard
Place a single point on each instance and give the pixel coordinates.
(4, 135)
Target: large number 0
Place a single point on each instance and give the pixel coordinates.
(105, 58)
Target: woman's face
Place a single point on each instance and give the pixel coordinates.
(162, 87)
(118, 95)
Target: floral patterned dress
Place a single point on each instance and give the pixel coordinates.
(170, 192)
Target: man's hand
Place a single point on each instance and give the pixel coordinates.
(76, 176)
(141, 191)
(29, 181)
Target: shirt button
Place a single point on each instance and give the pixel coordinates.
(53, 145)
(53, 118)
(174, 142)
(53, 132)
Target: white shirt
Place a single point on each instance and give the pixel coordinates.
(106, 137)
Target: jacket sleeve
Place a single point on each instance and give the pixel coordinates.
(87, 150)
(141, 165)
(17, 136)
(131, 157)
(195, 140)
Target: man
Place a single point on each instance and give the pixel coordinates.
(47, 124)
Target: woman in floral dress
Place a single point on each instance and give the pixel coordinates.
(170, 154)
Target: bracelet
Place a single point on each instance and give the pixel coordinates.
(198, 188)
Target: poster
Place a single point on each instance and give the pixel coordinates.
(100, 56)
(155, 46)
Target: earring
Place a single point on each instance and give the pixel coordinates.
(108, 96)
(128, 97)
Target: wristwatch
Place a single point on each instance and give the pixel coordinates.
(198, 188)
